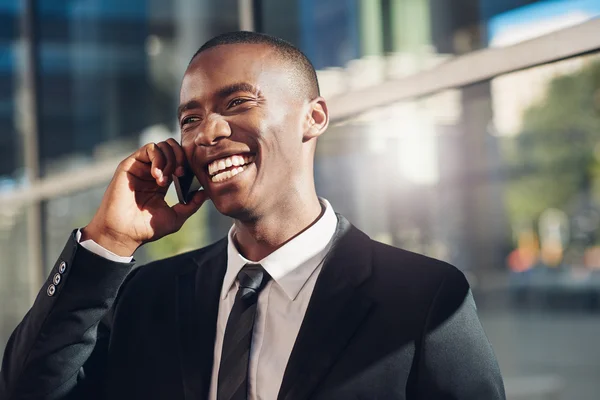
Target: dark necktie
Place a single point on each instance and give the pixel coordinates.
(235, 354)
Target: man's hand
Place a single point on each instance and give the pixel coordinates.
(133, 210)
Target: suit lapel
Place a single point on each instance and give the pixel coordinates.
(334, 313)
(198, 291)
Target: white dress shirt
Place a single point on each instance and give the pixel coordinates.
(282, 303)
(294, 269)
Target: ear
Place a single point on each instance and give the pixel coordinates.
(317, 119)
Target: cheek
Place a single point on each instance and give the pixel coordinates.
(188, 147)
(283, 157)
(190, 152)
(283, 132)
(187, 141)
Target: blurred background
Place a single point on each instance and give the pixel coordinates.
(467, 130)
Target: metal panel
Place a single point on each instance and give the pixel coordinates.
(246, 13)
(96, 174)
(30, 130)
(472, 68)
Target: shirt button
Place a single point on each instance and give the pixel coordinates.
(51, 290)
(62, 267)
(56, 279)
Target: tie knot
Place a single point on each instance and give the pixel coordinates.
(252, 279)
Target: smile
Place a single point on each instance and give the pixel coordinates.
(226, 168)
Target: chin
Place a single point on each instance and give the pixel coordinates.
(232, 207)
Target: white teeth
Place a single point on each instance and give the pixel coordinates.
(223, 176)
(231, 161)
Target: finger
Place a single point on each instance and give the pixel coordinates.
(152, 154)
(171, 162)
(184, 211)
(179, 156)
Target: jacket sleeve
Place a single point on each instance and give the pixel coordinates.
(457, 361)
(59, 348)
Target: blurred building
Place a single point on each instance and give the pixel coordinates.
(457, 126)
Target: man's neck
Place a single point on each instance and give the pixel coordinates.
(257, 239)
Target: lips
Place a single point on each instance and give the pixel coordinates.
(227, 167)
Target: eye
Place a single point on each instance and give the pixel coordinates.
(189, 120)
(236, 102)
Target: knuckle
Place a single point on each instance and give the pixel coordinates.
(174, 145)
(126, 162)
(163, 146)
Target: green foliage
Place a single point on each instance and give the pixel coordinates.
(191, 236)
(555, 157)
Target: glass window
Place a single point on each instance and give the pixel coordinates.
(63, 214)
(110, 72)
(359, 43)
(12, 116)
(326, 30)
(383, 170)
(501, 179)
(15, 285)
(15, 262)
(549, 141)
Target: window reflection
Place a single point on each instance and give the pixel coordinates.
(15, 284)
(12, 115)
(111, 70)
(361, 43)
(63, 214)
(501, 179)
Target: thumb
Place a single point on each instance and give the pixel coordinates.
(184, 211)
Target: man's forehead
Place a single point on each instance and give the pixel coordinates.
(257, 64)
(235, 58)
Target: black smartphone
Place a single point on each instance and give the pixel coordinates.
(186, 186)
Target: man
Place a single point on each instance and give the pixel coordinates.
(294, 304)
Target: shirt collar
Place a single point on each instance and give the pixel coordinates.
(292, 264)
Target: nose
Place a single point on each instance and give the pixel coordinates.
(213, 129)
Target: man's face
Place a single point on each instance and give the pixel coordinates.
(242, 127)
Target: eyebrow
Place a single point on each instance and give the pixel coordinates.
(221, 93)
(236, 87)
(190, 105)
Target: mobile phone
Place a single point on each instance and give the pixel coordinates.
(186, 185)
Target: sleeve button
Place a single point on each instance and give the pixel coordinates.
(56, 279)
(51, 290)
(62, 267)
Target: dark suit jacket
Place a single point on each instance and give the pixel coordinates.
(382, 323)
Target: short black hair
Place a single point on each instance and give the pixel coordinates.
(288, 52)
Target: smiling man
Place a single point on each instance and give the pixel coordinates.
(295, 303)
